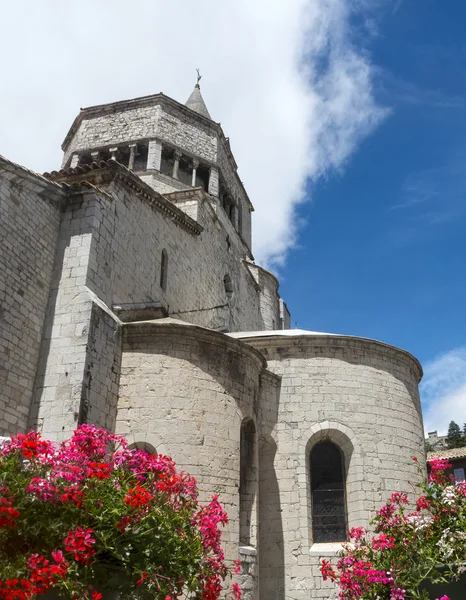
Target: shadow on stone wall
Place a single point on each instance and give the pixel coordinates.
(271, 550)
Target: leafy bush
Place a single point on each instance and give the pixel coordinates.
(92, 515)
(412, 545)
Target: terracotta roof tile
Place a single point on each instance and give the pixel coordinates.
(448, 453)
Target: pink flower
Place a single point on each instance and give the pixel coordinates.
(236, 591)
(357, 533)
(382, 542)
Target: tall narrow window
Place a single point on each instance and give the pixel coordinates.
(247, 482)
(228, 286)
(163, 269)
(329, 522)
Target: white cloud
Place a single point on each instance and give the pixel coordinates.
(292, 91)
(443, 391)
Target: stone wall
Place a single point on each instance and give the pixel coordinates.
(131, 238)
(119, 127)
(269, 299)
(186, 391)
(189, 133)
(29, 221)
(64, 355)
(109, 253)
(363, 396)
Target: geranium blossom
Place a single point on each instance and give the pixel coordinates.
(92, 503)
(409, 544)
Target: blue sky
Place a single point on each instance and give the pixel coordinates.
(347, 119)
(382, 253)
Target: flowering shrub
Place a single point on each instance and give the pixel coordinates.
(92, 515)
(411, 545)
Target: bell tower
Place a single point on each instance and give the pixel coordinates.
(172, 147)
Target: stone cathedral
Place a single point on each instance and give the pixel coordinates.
(130, 298)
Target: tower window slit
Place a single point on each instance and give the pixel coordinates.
(163, 269)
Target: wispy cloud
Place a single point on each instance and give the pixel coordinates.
(443, 390)
(396, 6)
(292, 89)
(429, 200)
(407, 93)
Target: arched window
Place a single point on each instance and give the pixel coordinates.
(143, 446)
(163, 269)
(329, 523)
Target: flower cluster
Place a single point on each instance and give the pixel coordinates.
(409, 544)
(93, 510)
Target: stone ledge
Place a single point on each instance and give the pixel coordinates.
(326, 549)
(140, 311)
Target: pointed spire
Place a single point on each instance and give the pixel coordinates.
(196, 101)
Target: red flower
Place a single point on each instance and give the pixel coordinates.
(327, 571)
(422, 502)
(236, 591)
(123, 524)
(98, 470)
(96, 595)
(72, 494)
(8, 514)
(138, 497)
(79, 542)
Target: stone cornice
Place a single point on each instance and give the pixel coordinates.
(144, 332)
(104, 173)
(295, 344)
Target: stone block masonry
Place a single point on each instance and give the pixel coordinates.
(29, 223)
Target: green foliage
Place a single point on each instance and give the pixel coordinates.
(455, 438)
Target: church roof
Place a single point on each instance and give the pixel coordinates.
(196, 102)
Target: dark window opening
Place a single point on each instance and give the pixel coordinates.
(247, 481)
(163, 269)
(145, 446)
(122, 156)
(185, 171)
(140, 160)
(167, 162)
(329, 523)
(202, 177)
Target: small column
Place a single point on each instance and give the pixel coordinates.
(176, 164)
(95, 156)
(154, 155)
(74, 161)
(195, 166)
(213, 181)
(113, 153)
(133, 152)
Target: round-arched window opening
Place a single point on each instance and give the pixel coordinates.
(329, 521)
(228, 285)
(145, 446)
